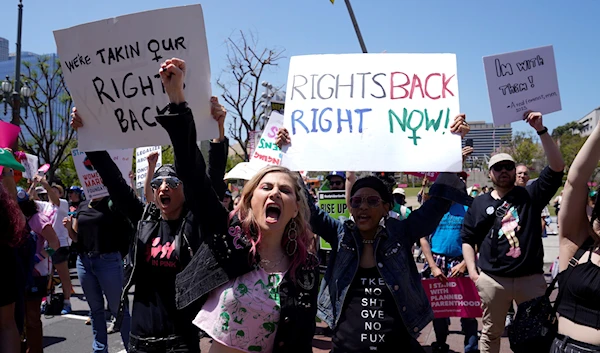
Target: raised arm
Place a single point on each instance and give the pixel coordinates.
(152, 161)
(200, 196)
(555, 160)
(217, 154)
(54, 199)
(574, 225)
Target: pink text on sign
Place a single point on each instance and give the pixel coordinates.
(456, 298)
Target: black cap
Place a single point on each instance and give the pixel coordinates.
(166, 170)
(374, 183)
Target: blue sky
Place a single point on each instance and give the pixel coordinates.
(471, 29)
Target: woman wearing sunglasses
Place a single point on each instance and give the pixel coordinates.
(255, 275)
(371, 295)
(168, 236)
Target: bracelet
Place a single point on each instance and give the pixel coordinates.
(175, 108)
(543, 131)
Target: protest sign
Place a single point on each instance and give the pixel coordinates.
(266, 152)
(141, 163)
(521, 81)
(387, 112)
(334, 203)
(111, 69)
(456, 298)
(8, 134)
(89, 177)
(31, 164)
(253, 138)
(277, 106)
(431, 176)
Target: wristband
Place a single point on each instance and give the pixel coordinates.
(543, 131)
(177, 108)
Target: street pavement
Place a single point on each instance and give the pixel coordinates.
(69, 334)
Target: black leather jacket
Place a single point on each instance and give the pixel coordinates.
(222, 257)
(147, 217)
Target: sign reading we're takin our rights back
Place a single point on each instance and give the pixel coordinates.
(388, 112)
(111, 69)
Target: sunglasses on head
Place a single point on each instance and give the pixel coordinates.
(506, 166)
(172, 182)
(337, 182)
(372, 201)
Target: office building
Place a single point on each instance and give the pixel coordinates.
(588, 122)
(3, 49)
(487, 138)
(7, 68)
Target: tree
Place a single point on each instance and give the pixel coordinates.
(567, 128)
(46, 132)
(240, 83)
(524, 148)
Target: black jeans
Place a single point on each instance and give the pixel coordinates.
(565, 344)
(170, 344)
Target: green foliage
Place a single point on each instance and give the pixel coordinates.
(167, 155)
(232, 161)
(46, 132)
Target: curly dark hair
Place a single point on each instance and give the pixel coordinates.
(12, 222)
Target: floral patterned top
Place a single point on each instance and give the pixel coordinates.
(244, 313)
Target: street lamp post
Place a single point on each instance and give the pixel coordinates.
(265, 100)
(16, 101)
(16, 98)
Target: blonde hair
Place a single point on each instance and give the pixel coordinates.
(250, 226)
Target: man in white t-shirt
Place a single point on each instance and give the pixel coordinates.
(60, 210)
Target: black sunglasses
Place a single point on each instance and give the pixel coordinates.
(506, 166)
(372, 201)
(172, 182)
(336, 182)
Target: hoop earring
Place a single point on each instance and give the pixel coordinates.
(292, 244)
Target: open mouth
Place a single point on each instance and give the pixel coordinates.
(363, 218)
(165, 200)
(273, 212)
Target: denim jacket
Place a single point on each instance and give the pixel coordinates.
(393, 255)
(224, 251)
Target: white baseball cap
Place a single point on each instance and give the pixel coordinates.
(399, 191)
(500, 157)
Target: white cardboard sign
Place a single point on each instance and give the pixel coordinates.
(31, 164)
(141, 163)
(111, 68)
(521, 81)
(375, 112)
(266, 152)
(89, 177)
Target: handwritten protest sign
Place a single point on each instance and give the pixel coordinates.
(89, 177)
(334, 203)
(266, 152)
(456, 298)
(141, 163)
(387, 112)
(253, 138)
(31, 164)
(521, 81)
(111, 69)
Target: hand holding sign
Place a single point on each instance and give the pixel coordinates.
(460, 126)
(76, 121)
(172, 74)
(534, 119)
(283, 138)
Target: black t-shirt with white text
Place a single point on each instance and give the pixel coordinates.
(154, 301)
(370, 321)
